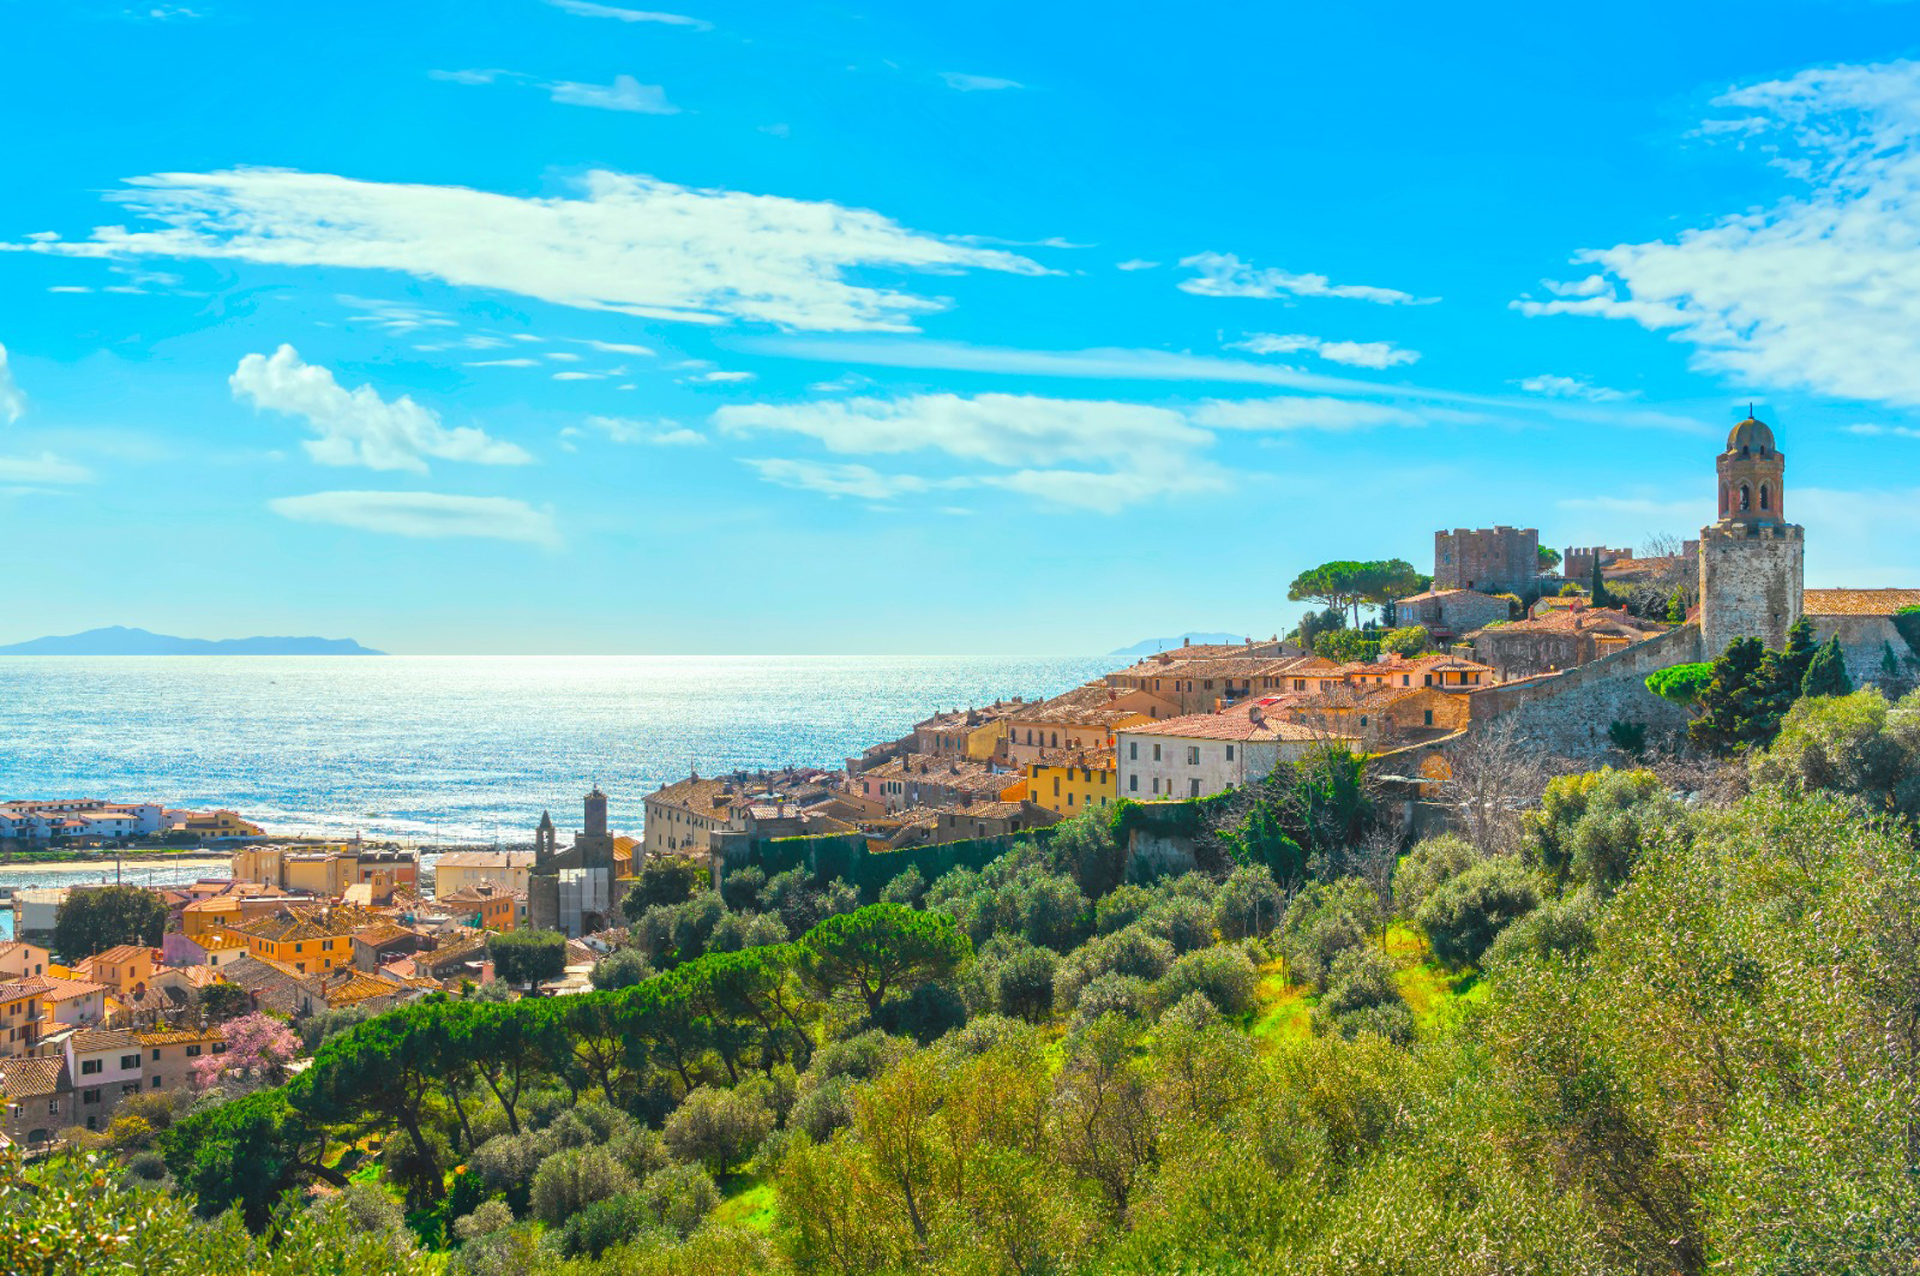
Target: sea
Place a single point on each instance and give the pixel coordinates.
(461, 749)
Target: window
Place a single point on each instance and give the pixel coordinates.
(1133, 784)
(1133, 750)
(89, 1066)
(53, 1107)
(1156, 753)
(90, 1096)
(1229, 753)
(154, 1083)
(1069, 799)
(156, 1056)
(1193, 755)
(193, 1052)
(1193, 788)
(1406, 680)
(1429, 717)
(1363, 719)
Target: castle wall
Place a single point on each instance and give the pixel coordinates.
(1568, 713)
(1864, 641)
(1752, 577)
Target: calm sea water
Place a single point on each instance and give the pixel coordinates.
(460, 748)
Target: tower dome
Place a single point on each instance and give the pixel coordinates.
(1751, 437)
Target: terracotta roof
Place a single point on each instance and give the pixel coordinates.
(66, 989)
(377, 935)
(987, 811)
(122, 952)
(94, 1039)
(307, 923)
(485, 859)
(695, 795)
(1237, 724)
(1858, 602)
(1450, 593)
(1091, 759)
(30, 1078)
(179, 1037)
(356, 987)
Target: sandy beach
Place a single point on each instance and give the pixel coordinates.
(209, 865)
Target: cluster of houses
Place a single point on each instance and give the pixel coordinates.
(298, 929)
(90, 821)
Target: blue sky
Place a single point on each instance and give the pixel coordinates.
(577, 327)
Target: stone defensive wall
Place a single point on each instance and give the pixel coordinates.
(1569, 713)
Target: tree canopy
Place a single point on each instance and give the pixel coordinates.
(882, 948)
(529, 957)
(93, 919)
(1345, 585)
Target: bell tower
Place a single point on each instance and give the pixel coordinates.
(1752, 561)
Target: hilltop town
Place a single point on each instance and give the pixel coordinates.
(1556, 648)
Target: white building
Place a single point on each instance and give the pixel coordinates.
(1207, 753)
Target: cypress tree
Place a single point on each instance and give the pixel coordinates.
(1598, 593)
(1677, 606)
(1827, 672)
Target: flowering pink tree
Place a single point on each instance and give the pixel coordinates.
(258, 1047)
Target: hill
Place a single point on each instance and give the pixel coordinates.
(1152, 646)
(118, 640)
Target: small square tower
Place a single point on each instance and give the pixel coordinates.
(1752, 561)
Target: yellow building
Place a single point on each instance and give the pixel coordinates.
(310, 940)
(219, 824)
(1071, 784)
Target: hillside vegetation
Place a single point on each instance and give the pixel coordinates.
(1633, 1029)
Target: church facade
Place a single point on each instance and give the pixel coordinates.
(575, 891)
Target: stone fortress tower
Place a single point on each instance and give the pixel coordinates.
(1752, 561)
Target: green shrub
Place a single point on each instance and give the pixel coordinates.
(1362, 996)
(1463, 915)
(718, 1128)
(1222, 974)
(570, 1180)
(1429, 863)
(1681, 684)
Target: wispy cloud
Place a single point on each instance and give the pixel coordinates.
(719, 376)
(44, 468)
(612, 347)
(586, 9)
(1225, 275)
(1885, 431)
(1356, 354)
(13, 403)
(395, 316)
(358, 427)
(1819, 290)
(625, 93)
(1559, 387)
(503, 363)
(1078, 453)
(977, 83)
(861, 482)
(430, 515)
(1136, 263)
(620, 429)
(629, 243)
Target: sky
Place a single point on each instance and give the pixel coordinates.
(561, 326)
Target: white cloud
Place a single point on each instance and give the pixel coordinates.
(977, 83)
(579, 376)
(1288, 414)
(1559, 387)
(1109, 493)
(395, 316)
(1818, 291)
(631, 244)
(624, 94)
(564, 356)
(13, 404)
(620, 429)
(1885, 431)
(612, 347)
(585, 9)
(44, 468)
(999, 429)
(835, 480)
(1137, 263)
(503, 363)
(358, 427)
(424, 514)
(1225, 275)
(716, 377)
(1356, 354)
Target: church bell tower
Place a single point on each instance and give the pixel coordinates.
(1752, 561)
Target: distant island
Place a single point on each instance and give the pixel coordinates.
(118, 640)
(1153, 646)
